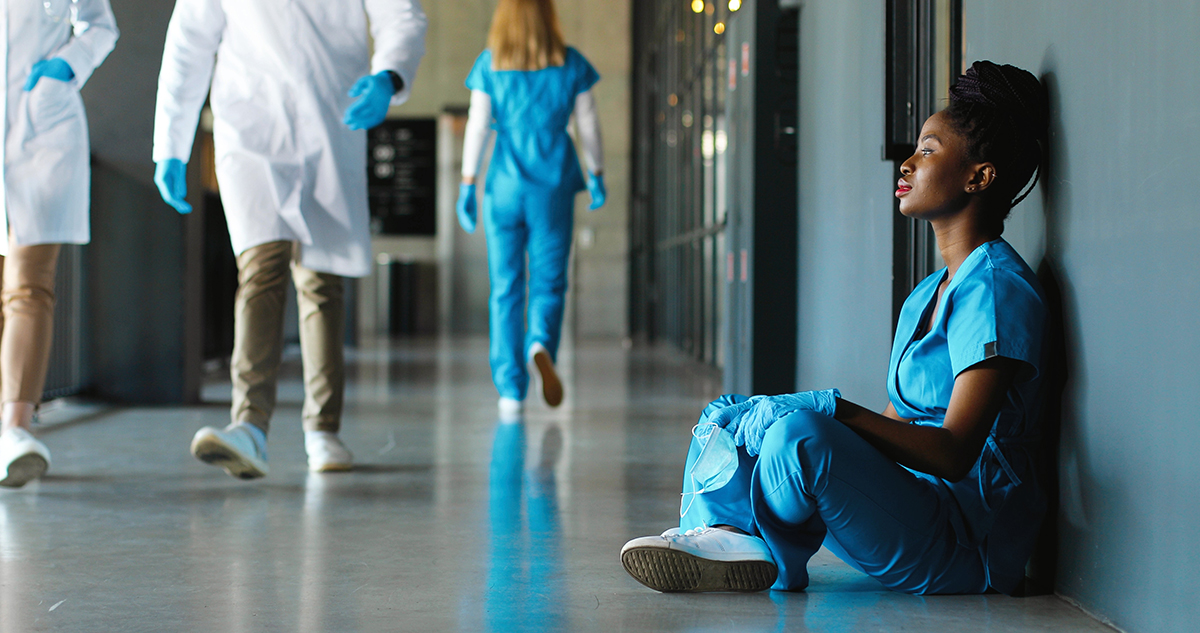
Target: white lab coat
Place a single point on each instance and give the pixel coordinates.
(289, 169)
(45, 154)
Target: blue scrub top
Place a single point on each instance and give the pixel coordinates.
(531, 109)
(994, 306)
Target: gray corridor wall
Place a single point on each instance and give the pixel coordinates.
(1119, 223)
(138, 310)
(844, 307)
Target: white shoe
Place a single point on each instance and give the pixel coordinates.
(326, 453)
(22, 456)
(240, 448)
(510, 409)
(708, 559)
(552, 387)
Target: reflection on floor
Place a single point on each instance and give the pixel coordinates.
(453, 522)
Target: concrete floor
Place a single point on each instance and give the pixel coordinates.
(452, 522)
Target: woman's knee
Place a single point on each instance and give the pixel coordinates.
(808, 431)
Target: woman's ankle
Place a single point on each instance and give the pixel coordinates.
(17, 415)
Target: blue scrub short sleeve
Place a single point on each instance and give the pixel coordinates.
(481, 73)
(995, 312)
(585, 75)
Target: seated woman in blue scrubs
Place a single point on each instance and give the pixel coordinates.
(938, 494)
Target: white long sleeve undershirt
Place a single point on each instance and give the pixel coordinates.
(587, 127)
(479, 121)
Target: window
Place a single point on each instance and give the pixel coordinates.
(924, 55)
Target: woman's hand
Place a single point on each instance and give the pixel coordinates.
(596, 190)
(53, 68)
(373, 94)
(170, 176)
(466, 206)
(749, 419)
(948, 451)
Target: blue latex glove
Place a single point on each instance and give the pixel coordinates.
(374, 93)
(171, 177)
(54, 68)
(466, 207)
(749, 420)
(596, 189)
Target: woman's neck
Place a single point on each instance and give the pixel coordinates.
(959, 236)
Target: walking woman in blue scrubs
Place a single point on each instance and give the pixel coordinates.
(938, 494)
(526, 86)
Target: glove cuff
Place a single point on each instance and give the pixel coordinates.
(827, 401)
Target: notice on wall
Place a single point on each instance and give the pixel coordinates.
(745, 59)
(402, 177)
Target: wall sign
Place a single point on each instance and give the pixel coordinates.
(402, 177)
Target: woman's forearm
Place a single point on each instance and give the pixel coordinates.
(587, 124)
(947, 451)
(479, 118)
(929, 449)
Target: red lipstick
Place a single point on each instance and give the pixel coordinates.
(902, 187)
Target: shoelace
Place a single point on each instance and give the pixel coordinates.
(694, 532)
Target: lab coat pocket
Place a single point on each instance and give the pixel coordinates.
(50, 104)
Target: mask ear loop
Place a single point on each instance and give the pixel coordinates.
(701, 432)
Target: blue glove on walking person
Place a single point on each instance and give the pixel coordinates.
(171, 177)
(54, 68)
(374, 93)
(749, 419)
(466, 207)
(596, 189)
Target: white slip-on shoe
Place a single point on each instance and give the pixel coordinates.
(510, 409)
(326, 453)
(552, 387)
(240, 448)
(23, 458)
(707, 559)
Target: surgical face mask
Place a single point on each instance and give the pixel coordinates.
(715, 465)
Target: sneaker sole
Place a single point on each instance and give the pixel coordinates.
(331, 468)
(24, 469)
(211, 450)
(552, 389)
(672, 571)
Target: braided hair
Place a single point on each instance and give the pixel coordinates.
(1003, 114)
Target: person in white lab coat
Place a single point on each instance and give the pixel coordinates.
(50, 49)
(292, 88)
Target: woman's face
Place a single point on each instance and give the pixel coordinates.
(936, 179)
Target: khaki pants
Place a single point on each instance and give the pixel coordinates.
(27, 321)
(258, 337)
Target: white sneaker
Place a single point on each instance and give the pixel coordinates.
(326, 453)
(240, 448)
(22, 456)
(552, 387)
(708, 559)
(510, 409)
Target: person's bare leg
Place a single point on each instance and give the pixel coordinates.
(17, 415)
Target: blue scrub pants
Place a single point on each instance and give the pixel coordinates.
(539, 222)
(816, 478)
